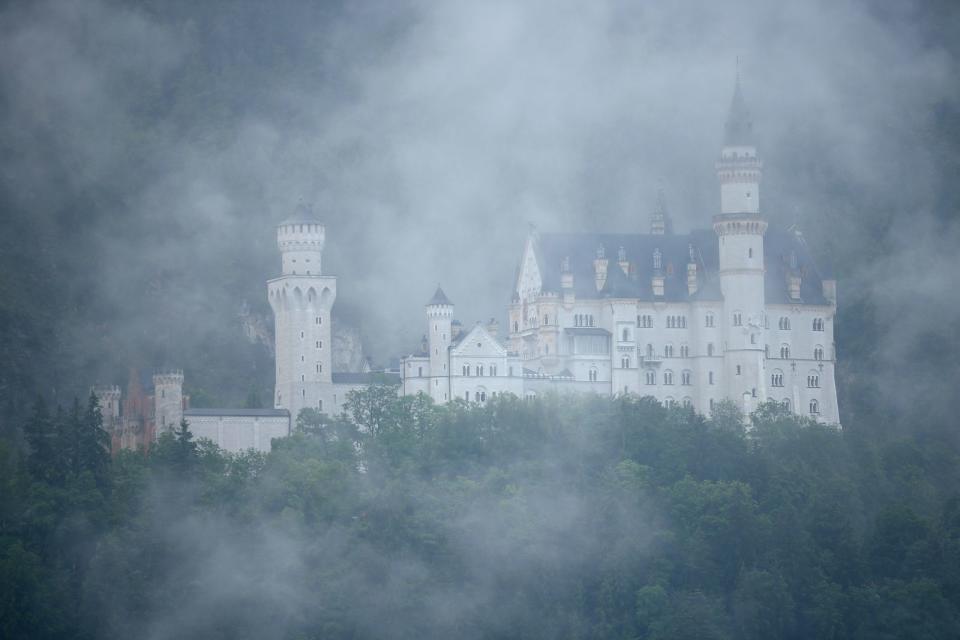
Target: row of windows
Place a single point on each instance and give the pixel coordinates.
(583, 320)
(479, 370)
(686, 378)
(676, 322)
(785, 352)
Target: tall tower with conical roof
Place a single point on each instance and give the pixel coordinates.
(302, 299)
(439, 338)
(740, 228)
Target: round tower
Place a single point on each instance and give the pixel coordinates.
(167, 400)
(302, 300)
(740, 229)
(439, 337)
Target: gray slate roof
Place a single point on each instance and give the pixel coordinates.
(439, 297)
(581, 249)
(303, 213)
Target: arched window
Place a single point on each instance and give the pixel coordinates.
(668, 377)
(649, 350)
(626, 334)
(466, 395)
(685, 378)
(709, 320)
(709, 348)
(480, 370)
(684, 351)
(785, 352)
(516, 326)
(785, 403)
(776, 378)
(814, 407)
(813, 380)
(688, 403)
(710, 377)
(683, 321)
(592, 374)
(625, 362)
(668, 351)
(818, 324)
(784, 323)
(818, 353)
(669, 402)
(737, 319)
(651, 378)
(711, 404)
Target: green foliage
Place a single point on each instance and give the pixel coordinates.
(559, 517)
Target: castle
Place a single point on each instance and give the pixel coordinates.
(735, 312)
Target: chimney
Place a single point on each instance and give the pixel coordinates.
(623, 262)
(830, 291)
(600, 268)
(658, 282)
(793, 278)
(692, 272)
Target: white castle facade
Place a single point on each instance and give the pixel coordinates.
(735, 312)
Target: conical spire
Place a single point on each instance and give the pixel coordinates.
(738, 129)
(439, 298)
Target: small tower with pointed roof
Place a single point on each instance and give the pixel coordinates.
(302, 300)
(439, 335)
(660, 221)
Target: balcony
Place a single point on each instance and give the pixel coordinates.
(650, 361)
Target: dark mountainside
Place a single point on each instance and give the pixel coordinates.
(148, 148)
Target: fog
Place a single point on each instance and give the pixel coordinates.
(148, 150)
(163, 142)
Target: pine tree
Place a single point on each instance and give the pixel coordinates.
(40, 435)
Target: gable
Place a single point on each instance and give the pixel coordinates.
(529, 282)
(478, 343)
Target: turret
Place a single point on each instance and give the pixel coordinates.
(109, 399)
(167, 400)
(566, 283)
(740, 229)
(692, 272)
(302, 302)
(440, 334)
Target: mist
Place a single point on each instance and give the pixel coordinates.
(149, 149)
(157, 145)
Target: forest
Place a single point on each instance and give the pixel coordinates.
(560, 517)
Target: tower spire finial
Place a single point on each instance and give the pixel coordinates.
(738, 129)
